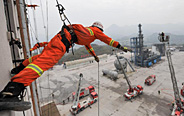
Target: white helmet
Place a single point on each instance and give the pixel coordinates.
(98, 24)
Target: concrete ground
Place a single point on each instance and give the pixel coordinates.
(62, 82)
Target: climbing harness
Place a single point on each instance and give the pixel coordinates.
(69, 29)
(65, 40)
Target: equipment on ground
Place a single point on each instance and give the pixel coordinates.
(80, 106)
(84, 92)
(110, 73)
(138, 90)
(178, 107)
(141, 55)
(150, 80)
(76, 99)
(86, 103)
(123, 63)
(132, 91)
(114, 74)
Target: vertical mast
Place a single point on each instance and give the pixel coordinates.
(173, 78)
(26, 46)
(140, 40)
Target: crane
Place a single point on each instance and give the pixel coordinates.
(132, 91)
(76, 98)
(126, 78)
(178, 108)
(80, 106)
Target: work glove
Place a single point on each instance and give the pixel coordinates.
(37, 45)
(125, 49)
(97, 59)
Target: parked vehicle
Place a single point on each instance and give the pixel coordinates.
(85, 91)
(150, 80)
(93, 97)
(134, 92)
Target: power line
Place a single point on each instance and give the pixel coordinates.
(98, 91)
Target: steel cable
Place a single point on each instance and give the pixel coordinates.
(98, 91)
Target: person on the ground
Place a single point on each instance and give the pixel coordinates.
(32, 68)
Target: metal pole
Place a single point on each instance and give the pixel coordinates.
(26, 39)
(130, 64)
(98, 91)
(128, 82)
(10, 30)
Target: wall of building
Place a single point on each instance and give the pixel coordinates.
(5, 59)
(15, 29)
(5, 50)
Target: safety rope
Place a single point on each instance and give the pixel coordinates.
(35, 24)
(47, 15)
(36, 37)
(44, 26)
(33, 33)
(31, 29)
(51, 96)
(70, 30)
(98, 90)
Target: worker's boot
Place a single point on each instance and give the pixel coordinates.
(17, 69)
(11, 97)
(12, 92)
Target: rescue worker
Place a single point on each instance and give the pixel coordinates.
(32, 68)
(162, 35)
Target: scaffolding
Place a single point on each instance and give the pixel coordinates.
(140, 56)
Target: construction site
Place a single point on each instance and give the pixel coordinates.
(134, 80)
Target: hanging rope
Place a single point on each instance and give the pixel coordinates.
(50, 96)
(44, 26)
(36, 37)
(31, 30)
(42, 14)
(98, 91)
(47, 15)
(35, 24)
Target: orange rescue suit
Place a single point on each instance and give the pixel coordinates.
(42, 44)
(53, 52)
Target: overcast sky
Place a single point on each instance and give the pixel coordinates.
(119, 12)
